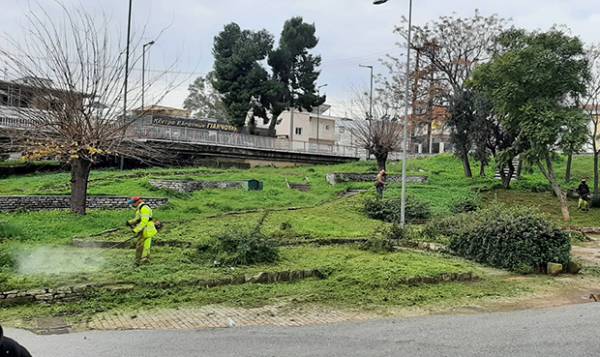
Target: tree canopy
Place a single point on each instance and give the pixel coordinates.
(534, 81)
(248, 89)
(238, 74)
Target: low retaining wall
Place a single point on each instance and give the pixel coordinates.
(334, 179)
(40, 203)
(65, 294)
(191, 186)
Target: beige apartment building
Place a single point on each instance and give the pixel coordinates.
(307, 128)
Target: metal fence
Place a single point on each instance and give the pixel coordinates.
(143, 131)
(222, 138)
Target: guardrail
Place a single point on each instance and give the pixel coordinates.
(221, 138)
(142, 131)
(7, 121)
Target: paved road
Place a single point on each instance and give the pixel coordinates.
(567, 331)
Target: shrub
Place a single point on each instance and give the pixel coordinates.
(7, 260)
(450, 226)
(389, 209)
(466, 204)
(241, 246)
(383, 240)
(8, 231)
(516, 239)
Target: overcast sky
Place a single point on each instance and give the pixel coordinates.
(351, 32)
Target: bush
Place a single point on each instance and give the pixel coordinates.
(241, 246)
(449, 227)
(7, 261)
(389, 209)
(466, 204)
(516, 239)
(384, 239)
(8, 231)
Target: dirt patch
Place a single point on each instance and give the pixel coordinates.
(588, 252)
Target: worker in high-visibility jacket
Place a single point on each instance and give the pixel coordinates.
(144, 228)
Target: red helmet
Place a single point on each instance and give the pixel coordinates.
(134, 200)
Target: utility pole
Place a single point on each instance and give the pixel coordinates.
(144, 71)
(406, 106)
(126, 73)
(370, 91)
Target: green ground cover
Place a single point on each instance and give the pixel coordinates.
(355, 277)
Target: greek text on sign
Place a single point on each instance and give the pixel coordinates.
(194, 124)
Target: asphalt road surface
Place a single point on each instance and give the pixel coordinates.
(567, 331)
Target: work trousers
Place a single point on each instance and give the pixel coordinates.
(142, 248)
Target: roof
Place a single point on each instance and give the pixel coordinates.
(33, 87)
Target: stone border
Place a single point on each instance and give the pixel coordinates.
(42, 203)
(67, 294)
(62, 294)
(190, 186)
(70, 293)
(337, 178)
(442, 278)
(589, 230)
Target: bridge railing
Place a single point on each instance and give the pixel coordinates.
(222, 138)
(143, 130)
(10, 120)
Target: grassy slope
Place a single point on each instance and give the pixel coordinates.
(356, 277)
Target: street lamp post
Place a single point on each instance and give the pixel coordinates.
(406, 105)
(146, 45)
(370, 92)
(126, 73)
(319, 113)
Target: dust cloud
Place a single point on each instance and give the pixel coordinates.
(58, 260)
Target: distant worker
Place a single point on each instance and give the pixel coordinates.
(584, 195)
(144, 228)
(380, 182)
(9, 347)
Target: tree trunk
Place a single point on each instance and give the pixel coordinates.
(80, 173)
(466, 164)
(562, 197)
(519, 168)
(507, 176)
(596, 180)
(381, 160)
(482, 169)
(429, 138)
(569, 166)
(273, 124)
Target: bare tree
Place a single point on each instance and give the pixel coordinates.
(71, 91)
(456, 45)
(381, 135)
(448, 50)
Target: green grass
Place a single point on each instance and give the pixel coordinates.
(178, 266)
(355, 278)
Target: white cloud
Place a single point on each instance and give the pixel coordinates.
(351, 31)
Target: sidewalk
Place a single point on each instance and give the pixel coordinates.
(222, 317)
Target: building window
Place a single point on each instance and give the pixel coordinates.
(298, 131)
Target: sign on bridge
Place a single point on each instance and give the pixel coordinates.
(192, 123)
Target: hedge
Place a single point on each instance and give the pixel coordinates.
(516, 239)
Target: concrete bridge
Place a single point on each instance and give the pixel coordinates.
(202, 146)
